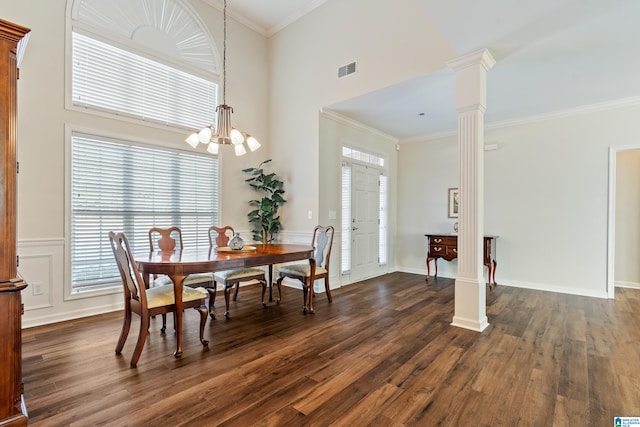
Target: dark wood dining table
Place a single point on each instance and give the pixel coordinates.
(179, 264)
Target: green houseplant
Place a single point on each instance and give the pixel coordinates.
(264, 217)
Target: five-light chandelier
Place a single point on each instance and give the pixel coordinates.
(224, 134)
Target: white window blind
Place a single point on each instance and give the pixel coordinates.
(118, 81)
(383, 218)
(345, 254)
(119, 186)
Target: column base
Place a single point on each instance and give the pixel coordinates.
(471, 324)
(470, 305)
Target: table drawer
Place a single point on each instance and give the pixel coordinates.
(437, 250)
(444, 240)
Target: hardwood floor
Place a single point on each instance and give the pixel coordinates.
(382, 354)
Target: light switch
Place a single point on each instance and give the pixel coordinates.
(332, 215)
(310, 214)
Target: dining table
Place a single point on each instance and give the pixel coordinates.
(178, 264)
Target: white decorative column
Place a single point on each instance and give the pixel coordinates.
(471, 97)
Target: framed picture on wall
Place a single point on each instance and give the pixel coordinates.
(453, 202)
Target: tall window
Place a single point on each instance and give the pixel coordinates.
(383, 218)
(116, 185)
(151, 61)
(345, 254)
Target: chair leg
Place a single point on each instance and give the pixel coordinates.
(305, 292)
(203, 320)
(212, 299)
(126, 326)
(278, 283)
(235, 296)
(311, 293)
(327, 288)
(227, 297)
(142, 337)
(264, 289)
(164, 323)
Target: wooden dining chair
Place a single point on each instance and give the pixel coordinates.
(219, 237)
(170, 239)
(322, 241)
(148, 302)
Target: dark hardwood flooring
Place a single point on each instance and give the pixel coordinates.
(382, 354)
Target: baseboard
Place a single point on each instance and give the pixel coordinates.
(30, 322)
(535, 286)
(631, 285)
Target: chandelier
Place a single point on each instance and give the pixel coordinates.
(224, 134)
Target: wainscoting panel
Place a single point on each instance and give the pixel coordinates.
(42, 267)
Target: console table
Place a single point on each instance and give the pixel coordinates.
(445, 246)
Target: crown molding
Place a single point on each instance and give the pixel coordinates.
(570, 112)
(337, 117)
(263, 31)
(294, 17)
(553, 115)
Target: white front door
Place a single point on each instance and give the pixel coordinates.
(365, 210)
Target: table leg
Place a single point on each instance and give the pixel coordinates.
(491, 273)
(270, 282)
(312, 280)
(435, 262)
(178, 282)
(495, 265)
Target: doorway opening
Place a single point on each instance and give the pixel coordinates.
(623, 209)
(364, 215)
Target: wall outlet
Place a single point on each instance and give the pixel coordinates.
(36, 288)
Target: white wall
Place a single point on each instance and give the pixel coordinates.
(545, 196)
(391, 44)
(627, 249)
(42, 120)
(426, 171)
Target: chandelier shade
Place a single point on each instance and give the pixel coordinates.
(224, 133)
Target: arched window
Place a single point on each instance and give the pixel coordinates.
(150, 60)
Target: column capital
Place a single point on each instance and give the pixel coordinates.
(479, 57)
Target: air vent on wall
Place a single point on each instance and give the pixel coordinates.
(345, 70)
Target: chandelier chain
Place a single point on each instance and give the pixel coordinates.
(224, 54)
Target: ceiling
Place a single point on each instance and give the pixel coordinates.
(552, 56)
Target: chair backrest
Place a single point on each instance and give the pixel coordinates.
(131, 278)
(219, 236)
(165, 239)
(322, 242)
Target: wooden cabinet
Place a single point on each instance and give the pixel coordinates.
(12, 408)
(445, 246)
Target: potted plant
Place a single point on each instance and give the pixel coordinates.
(264, 218)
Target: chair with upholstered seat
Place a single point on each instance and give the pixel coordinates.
(322, 241)
(219, 237)
(148, 302)
(170, 239)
